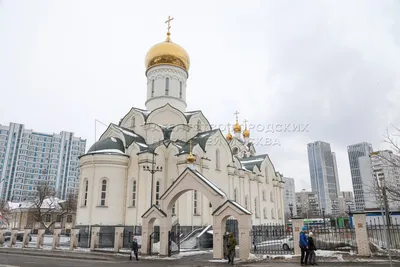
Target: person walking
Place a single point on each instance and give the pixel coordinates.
(135, 249)
(303, 243)
(231, 248)
(311, 249)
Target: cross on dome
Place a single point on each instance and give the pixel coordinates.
(237, 128)
(169, 27)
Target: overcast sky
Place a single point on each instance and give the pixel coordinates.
(332, 65)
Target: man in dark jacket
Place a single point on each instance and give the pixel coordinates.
(135, 249)
(311, 249)
(231, 248)
(303, 243)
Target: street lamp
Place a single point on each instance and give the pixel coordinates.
(291, 210)
(152, 170)
(323, 216)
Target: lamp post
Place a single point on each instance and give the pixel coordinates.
(152, 170)
(323, 216)
(291, 210)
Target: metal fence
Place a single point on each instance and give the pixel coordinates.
(106, 240)
(335, 238)
(84, 239)
(377, 234)
(272, 239)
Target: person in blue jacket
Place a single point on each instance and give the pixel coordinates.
(303, 243)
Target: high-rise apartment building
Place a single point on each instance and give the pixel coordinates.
(28, 157)
(346, 202)
(379, 165)
(323, 174)
(355, 152)
(307, 204)
(289, 196)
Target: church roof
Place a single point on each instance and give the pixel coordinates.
(249, 162)
(200, 139)
(113, 144)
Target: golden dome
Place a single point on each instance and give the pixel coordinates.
(190, 158)
(168, 53)
(246, 133)
(229, 136)
(237, 128)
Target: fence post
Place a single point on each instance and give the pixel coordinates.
(297, 224)
(40, 237)
(119, 237)
(56, 238)
(94, 241)
(74, 238)
(360, 224)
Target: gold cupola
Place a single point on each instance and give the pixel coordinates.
(167, 53)
(229, 136)
(190, 159)
(237, 128)
(246, 133)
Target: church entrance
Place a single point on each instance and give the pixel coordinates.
(224, 208)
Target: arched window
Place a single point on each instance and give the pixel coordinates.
(133, 121)
(85, 194)
(235, 151)
(167, 86)
(246, 202)
(134, 193)
(235, 195)
(272, 214)
(199, 125)
(180, 89)
(103, 194)
(264, 195)
(217, 159)
(157, 192)
(255, 207)
(152, 88)
(195, 207)
(272, 196)
(265, 213)
(266, 176)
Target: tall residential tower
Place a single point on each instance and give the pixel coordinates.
(323, 174)
(28, 158)
(355, 152)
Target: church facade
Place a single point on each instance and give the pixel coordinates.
(135, 161)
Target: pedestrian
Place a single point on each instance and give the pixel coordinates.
(135, 249)
(303, 243)
(231, 248)
(311, 249)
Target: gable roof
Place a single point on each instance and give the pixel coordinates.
(233, 203)
(203, 179)
(154, 207)
(249, 162)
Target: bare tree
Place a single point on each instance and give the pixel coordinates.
(45, 205)
(5, 212)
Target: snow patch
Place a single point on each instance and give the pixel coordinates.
(113, 139)
(107, 151)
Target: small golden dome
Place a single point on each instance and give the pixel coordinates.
(246, 133)
(168, 53)
(190, 158)
(229, 136)
(237, 128)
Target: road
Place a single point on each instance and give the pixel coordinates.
(9, 260)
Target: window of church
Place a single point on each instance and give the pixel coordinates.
(134, 193)
(195, 210)
(152, 88)
(103, 193)
(266, 176)
(272, 214)
(157, 192)
(235, 194)
(265, 213)
(217, 160)
(167, 86)
(85, 197)
(264, 195)
(235, 151)
(133, 121)
(198, 125)
(180, 90)
(246, 202)
(272, 196)
(255, 207)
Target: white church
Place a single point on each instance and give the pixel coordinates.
(134, 162)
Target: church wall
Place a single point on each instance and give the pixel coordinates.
(134, 211)
(112, 169)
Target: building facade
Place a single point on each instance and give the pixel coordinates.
(324, 175)
(136, 161)
(307, 204)
(346, 202)
(28, 157)
(379, 165)
(289, 196)
(355, 152)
